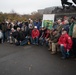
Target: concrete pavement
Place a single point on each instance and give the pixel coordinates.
(33, 60)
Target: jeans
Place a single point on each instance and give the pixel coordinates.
(24, 42)
(35, 41)
(4, 36)
(41, 41)
(74, 47)
(63, 51)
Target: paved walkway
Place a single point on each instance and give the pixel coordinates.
(33, 60)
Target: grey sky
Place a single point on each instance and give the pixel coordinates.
(27, 6)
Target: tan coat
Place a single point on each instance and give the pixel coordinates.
(74, 32)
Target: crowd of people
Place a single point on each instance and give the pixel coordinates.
(62, 36)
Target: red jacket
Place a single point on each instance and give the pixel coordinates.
(35, 33)
(66, 40)
(47, 33)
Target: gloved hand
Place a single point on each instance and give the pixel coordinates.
(61, 45)
(68, 52)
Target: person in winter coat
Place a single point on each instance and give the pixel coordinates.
(65, 43)
(42, 36)
(4, 29)
(37, 23)
(12, 34)
(17, 36)
(66, 25)
(47, 35)
(53, 41)
(9, 25)
(72, 33)
(35, 35)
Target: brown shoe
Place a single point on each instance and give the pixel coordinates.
(53, 53)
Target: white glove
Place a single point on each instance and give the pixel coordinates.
(68, 52)
(62, 45)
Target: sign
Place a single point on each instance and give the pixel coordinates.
(48, 20)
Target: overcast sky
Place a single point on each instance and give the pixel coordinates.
(26, 6)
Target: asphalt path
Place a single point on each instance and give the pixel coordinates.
(33, 60)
